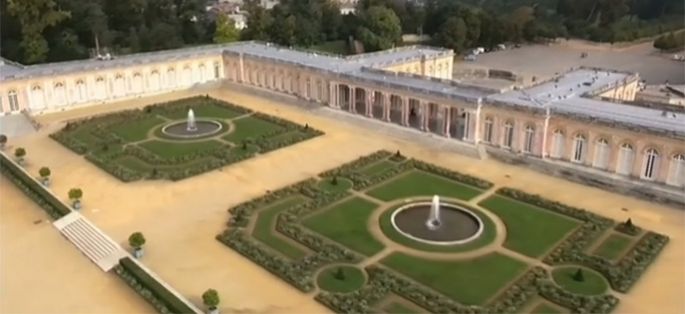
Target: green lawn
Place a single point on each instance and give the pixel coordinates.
(420, 183)
(488, 235)
(265, 227)
(593, 283)
(613, 246)
(341, 185)
(204, 111)
(399, 308)
(136, 130)
(378, 167)
(546, 308)
(175, 149)
(250, 127)
(335, 46)
(352, 279)
(470, 282)
(346, 223)
(531, 230)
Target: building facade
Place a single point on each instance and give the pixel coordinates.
(564, 120)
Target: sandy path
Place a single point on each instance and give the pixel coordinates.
(181, 219)
(43, 273)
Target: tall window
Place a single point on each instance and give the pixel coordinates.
(280, 75)
(530, 136)
(651, 164)
(508, 134)
(579, 148)
(677, 171)
(12, 97)
(60, 94)
(626, 157)
(216, 70)
(602, 150)
(558, 144)
(81, 90)
(171, 78)
(487, 130)
(37, 96)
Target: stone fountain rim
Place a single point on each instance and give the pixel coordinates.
(215, 131)
(481, 225)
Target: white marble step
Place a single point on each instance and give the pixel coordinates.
(94, 244)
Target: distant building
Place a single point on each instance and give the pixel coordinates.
(662, 94)
(240, 20)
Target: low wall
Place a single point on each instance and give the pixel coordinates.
(642, 190)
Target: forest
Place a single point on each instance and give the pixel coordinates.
(35, 31)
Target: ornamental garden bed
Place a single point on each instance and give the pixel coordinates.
(131, 145)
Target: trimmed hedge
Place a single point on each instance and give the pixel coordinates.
(149, 288)
(621, 275)
(456, 176)
(53, 206)
(631, 230)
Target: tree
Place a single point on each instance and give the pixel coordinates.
(211, 299)
(339, 274)
(136, 240)
(452, 34)
(20, 153)
(380, 29)
(225, 30)
(258, 21)
(35, 16)
(75, 195)
(3, 140)
(44, 173)
(334, 181)
(578, 275)
(629, 223)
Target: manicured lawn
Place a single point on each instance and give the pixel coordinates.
(613, 246)
(546, 308)
(176, 149)
(399, 308)
(265, 227)
(341, 185)
(378, 167)
(204, 111)
(488, 235)
(352, 279)
(530, 230)
(346, 223)
(250, 127)
(470, 282)
(420, 183)
(136, 130)
(593, 283)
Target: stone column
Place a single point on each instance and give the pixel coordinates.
(476, 123)
(405, 110)
(370, 99)
(352, 98)
(447, 120)
(545, 127)
(386, 106)
(331, 95)
(425, 115)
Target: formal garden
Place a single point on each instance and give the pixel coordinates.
(178, 139)
(369, 236)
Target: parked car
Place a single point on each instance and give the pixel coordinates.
(470, 57)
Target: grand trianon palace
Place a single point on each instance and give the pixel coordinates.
(579, 120)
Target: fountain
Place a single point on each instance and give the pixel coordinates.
(191, 121)
(437, 222)
(433, 221)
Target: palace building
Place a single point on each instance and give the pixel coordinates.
(577, 120)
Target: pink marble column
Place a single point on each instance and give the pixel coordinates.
(425, 115)
(352, 99)
(447, 121)
(385, 98)
(369, 103)
(405, 111)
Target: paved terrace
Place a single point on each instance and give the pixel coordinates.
(566, 94)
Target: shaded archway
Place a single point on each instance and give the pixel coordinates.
(360, 101)
(457, 124)
(396, 109)
(344, 100)
(415, 114)
(377, 107)
(436, 119)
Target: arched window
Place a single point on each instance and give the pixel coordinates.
(171, 78)
(558, 140)
(650, 166)
(37, 98)
(137, 83)
(487, 130)
(154, 80)
(217, 70)
(529, 139)
(60, 94)
(187, 76)
(579, 148)
(202, 77)
(100, 88)
(14, 103)
(508, 134)
(626, 158)
(602, 150)
(677, 170)
(81, 91)
(119, 85)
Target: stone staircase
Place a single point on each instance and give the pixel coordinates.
(94, 244)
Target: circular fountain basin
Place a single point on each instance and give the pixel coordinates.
(458, 225)
(202, 128)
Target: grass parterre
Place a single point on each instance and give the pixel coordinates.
(130, 144)
(340, 217)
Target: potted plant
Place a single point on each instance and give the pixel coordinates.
(211, 299)
(136, 241)
(3, 141)
(20, 152)
(44, 173)
(75, 195)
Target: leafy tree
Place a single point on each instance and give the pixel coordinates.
(211, 299)
(380, 29)
(136, 240)
(75, 194)
(20, 152)
(578, 275)
(259, 21)
(339, 274)
(452, 34)
(44, 172)
(225, 30)
(35, 16)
